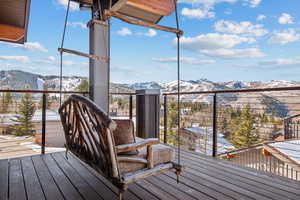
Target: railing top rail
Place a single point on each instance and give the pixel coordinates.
(237, 91)
(291, 117)
(43, 91)
(122, 93)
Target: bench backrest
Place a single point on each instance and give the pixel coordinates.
(88, 132)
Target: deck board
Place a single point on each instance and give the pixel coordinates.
(33, 187)
(242, 179)
(48, 184)
(16, 182)
(279, 184)
(3, 179)
(68, 190)
(53, 176)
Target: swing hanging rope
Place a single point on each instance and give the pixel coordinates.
(61, 52)
(178, 86)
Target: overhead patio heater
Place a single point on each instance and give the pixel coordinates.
(14, 16)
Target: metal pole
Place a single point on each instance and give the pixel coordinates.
(214, 153)
(44, 123)
(165, 119)
(130, 107)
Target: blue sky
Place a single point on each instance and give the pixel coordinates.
(224, 40)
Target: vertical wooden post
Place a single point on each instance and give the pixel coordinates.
(215, 133)
(44, 123)
(147, 113)
(165, 119)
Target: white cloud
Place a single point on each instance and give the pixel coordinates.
(285, 19)
(213, 41)
(253, 3)
(198, 13)
(51, 60)
(228, 12)
(245, 27)
(284, 37)
(69, 63)
(187, 60)
(73, 5)
(121, 69)
(33, 46)
(22, 59)
(124, 32)
(280, 62)
(151, 33)
(48, 60)
(261, 17)
(221, 46)
(77, 24)
(234, 53)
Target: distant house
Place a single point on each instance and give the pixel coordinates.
(54, 130)
(199, 139)
(279, 157)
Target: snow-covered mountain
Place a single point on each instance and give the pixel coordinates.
(144, 85)
(16, 79)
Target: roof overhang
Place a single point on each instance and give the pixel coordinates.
(147, 10)
(14, 17)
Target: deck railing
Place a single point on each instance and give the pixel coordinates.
(292, 127)
(257, 128)
(44, 105)
(211, 120)
(122, 105)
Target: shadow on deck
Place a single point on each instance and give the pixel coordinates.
(53, 177)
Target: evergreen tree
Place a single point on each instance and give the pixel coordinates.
(172, 122)
(243, 134)
(25, 113)
(83, 86)
(6, 101)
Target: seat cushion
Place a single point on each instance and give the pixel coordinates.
(124, 134)
(161, 154)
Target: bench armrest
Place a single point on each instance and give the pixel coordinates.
(134, 146)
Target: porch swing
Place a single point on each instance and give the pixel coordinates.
(97, 140)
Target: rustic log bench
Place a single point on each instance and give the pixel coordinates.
(89, 134)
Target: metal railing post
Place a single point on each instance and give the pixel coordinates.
(130, 107)
(165, 119)
(44, 123)
(215, 131)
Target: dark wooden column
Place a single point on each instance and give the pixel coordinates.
(147, 113)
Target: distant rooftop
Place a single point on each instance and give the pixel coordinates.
(223, 145)
(289, 148)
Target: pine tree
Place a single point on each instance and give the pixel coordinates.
(83, 86)
(6, 101)
(172, 122)
(243, 134)
(25, 113)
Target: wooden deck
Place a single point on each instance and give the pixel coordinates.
(53, 177)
